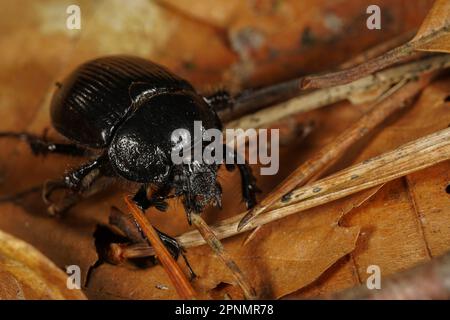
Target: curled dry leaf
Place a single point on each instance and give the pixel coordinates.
(25, 273)
(436, 25)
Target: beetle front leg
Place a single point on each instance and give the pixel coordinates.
(157, 199)
(248, 180)
(41, 146)
(79, 182)
(142, 201)
(249, 188)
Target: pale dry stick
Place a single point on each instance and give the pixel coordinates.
(118, 253)
(394, 99)
(315, 172)
(411, 157)
(371, 66)
(349, 75)
(215, 244)
(173, 270)
(324, 97)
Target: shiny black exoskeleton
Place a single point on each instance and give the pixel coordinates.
(122, 110)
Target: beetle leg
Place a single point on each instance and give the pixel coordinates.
(140, 198)
(127, 225)
(80, 182)
(84, 175)
(175, 250)
(248, 180)
(157, 199)
(171, 244)
(219, 100)
(249, 188)
(40, 146)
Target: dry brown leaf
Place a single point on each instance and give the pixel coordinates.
(437, 21)
(433, 215)
(288, 254)
(27, 274)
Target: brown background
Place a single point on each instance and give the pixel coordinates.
(235, 44)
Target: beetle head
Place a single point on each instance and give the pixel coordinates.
(197, 183)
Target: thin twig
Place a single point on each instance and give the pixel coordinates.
(378, 49)
(324, 97)
(395, 99)
(215, 244)
(119, 252)
(173, 270)
(238, 111)
(288, 89)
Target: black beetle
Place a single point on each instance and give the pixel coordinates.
(122, 110)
